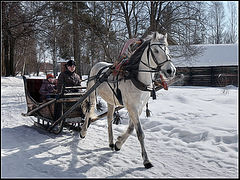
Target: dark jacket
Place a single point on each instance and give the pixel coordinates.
(46, 89)
(68, 79)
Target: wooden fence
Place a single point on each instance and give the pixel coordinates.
(213, 76)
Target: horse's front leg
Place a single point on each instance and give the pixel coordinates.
(121, 139)
(141, 137)
(134, 116)
(110, 113)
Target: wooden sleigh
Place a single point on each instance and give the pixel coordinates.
(44, 111)
(72, 115)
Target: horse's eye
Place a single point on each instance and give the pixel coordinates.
(156, 51)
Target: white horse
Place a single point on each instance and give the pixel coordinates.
(154, 58)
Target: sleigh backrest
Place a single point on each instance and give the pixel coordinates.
(32, 87)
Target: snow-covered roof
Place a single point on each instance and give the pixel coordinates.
(62, 60)
(212, 55)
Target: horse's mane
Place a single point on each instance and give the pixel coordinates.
(134, 60)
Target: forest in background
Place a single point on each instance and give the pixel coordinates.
(96, 30)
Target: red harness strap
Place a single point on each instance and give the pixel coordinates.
(164, 84)
(118, 66)
(124, 55)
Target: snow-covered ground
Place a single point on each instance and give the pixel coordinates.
(193, 132)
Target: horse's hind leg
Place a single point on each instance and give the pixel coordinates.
(89, 109)
(110, 113)
(83, 131)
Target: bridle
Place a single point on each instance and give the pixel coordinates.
(141, 85)
(159, 65)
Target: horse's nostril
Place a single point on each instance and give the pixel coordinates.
(169, 71)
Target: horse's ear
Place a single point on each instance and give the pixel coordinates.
(165, 36)
(154, 36)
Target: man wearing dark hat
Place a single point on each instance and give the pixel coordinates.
(68, 78)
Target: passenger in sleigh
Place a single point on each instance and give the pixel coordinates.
(68, 78)
(48, 88)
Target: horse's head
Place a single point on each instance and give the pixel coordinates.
(159, 52)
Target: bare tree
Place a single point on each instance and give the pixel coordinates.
(98, 23)
(231, 32)
(76, 48)
(54, 43)
(127, 13)
(19, 20)
(26, 56)
(132, 14)
(216, 22)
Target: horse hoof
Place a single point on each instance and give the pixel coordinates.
(111, 146)
(148, 165)
(116, 148)
(81, 136)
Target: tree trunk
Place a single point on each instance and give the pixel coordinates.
(11, 58)
(76, 39)
(54, 46)
(54, 57)
(23, 69)
(6, 56)
(127, 18)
